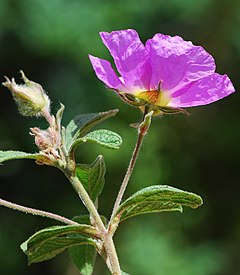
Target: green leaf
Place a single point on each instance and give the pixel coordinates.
(83, 256)
(10, 155)
(41, 236)
(105, 138)
(55, 246)
(156, 198)
(92, 176)
(49, 242)
(81, 124)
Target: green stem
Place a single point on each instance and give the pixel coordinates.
(106, 237)
(142, 131)
(37, 212)
(112, 255)
(88, 203)
(128, 173)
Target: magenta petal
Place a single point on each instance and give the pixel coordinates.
(130, 57)
(105, 72)
(204, 91)
(176, 62)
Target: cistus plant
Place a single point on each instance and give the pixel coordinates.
(161, 77)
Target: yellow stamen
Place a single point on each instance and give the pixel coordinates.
(154, 97)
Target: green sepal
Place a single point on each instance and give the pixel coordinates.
(172, 111)
(92, 176)
(49, 242)
(11, 155)
(81, 124)
(156, 198)
(59, 115)
(105, 138)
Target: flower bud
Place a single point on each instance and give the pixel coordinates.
(43, 138)
(144, 126)
(30, 97)
(48, 140)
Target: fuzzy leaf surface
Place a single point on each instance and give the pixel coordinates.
(10, 155)
(105, 138)
(48, 242)
(83, 256)
(157, 198)
(52, 247)
(81, 124)
(92, 176)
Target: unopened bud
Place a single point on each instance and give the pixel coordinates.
(44, 139)
(30, 97)
(144, 126)
(47, 141)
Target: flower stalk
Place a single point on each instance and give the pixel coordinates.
(142, 131)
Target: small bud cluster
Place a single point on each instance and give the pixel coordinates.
(47, 140)
(32, 100)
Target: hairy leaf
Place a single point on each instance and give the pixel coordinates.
(10, 155)
(105, 138)
(157, 198)
(54, 246)
(83, 256)
(51, 241)
(92, 176)
(81, 124)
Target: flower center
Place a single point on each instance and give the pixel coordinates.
(154, 97)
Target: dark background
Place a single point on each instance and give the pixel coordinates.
(50, 41)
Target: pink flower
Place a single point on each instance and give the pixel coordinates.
(165, 72)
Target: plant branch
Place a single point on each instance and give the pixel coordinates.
(128, 173)
(37, 212)
(88, 203)
(106, 237)
(142, 131)
(112, 255)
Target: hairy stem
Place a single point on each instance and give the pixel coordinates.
(37, 212)
(105, 236)
(128, 173)
(112, 255)
(142, 131)
(87, 201)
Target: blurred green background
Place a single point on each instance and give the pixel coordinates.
(50, 41)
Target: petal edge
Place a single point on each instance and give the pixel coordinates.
(203, 91)
(105, 72)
